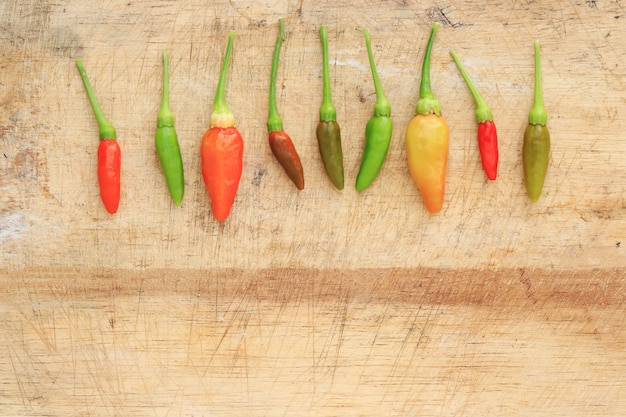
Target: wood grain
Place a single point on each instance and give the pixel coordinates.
(316, 302)
(293, 342)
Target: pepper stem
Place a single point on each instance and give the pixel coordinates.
(483, 112)
(538, 115)
(328, 112)
(274, 122)
(428, 103)
(165, 118)
(107, 131)
(382, 106)
(222, 116)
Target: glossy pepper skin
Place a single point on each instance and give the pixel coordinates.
(280, 143)
(221, 150)
(328, 131)
(427, 139)
(536, 150)
(377, 131)
(285, 153)
(109, 153)
(166, 142)
(487, 133)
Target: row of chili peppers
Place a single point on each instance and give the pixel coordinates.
(427, 138)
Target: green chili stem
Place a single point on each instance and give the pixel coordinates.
(382, 106)
(219, 102)
(107, 131)
(483, 112)
(538, 114)
(165, 118)
(328, 112)
(428, 103)
(274, 122)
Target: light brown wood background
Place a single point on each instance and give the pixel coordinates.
(318, 302)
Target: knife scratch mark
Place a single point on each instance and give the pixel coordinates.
(411, 331)
(20, 386)
(381, 321)
(311, 321)
(341, 318)
(42, 336)
(399, 355)
(192, 320)
(422, 337)
(246, 369)
(239, 12)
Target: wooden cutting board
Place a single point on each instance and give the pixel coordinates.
(315, 302)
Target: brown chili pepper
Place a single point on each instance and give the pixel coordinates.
(280, 142)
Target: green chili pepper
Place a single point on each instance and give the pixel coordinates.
(166, 142)
(377, 130)
(536, 151)
(328, 132)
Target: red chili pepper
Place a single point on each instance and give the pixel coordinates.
(221, 151)
(109, 164)
(109, 153)
(487, 134)
(488, 147)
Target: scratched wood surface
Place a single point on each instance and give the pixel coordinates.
(316, 302)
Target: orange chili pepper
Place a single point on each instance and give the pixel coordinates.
(221, 151)
(427, 140)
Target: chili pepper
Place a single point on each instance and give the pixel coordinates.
(109, 153)
(328, 131)
(377, 130)
(221, 150)
(487, 133)
(166, 142)
(536, 151)
(427, 140)
(280, 142)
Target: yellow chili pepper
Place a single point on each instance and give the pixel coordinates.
(427, 140)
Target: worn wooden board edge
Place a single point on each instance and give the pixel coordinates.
(275, 342)
(410, 286)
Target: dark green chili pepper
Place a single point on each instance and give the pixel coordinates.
(328, 132)
(377, 130)
(166, 142)
(536, 151)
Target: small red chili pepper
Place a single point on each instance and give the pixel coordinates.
(109, 164)
(487, 134)
(221, 151)
(109, 154)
